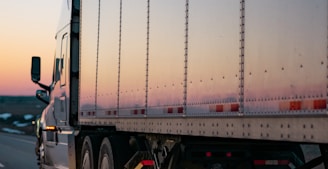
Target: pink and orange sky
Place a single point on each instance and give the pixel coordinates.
(27, 29)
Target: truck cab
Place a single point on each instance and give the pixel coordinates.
(53, 120)
(54, 124)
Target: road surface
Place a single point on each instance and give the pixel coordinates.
(17, 151)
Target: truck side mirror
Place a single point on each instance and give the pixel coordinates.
(35, 70)
(43, 96)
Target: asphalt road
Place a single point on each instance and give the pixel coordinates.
(17, 152)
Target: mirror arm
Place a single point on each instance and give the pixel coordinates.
(43, 86)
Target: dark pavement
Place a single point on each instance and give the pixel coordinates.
(17, 151)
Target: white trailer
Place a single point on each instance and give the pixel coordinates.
(186, 84)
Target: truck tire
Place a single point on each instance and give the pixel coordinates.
(87, 158)
(106, 160)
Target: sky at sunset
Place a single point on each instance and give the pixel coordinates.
(27, 29)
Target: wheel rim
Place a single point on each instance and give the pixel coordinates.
(104, 162)
(86, 161)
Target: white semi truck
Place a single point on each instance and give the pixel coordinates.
(184, 84)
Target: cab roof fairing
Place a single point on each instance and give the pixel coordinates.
(65, 15)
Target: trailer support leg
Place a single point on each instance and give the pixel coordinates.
(324, 154)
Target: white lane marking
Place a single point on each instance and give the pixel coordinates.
(1, 165)
(22, 140)
(29, 142)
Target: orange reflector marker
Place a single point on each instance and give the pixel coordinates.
(229, 154)
(138, 111)
(139, 166)
(234, 107)
(296, 105)
(219, 108)
(180, 109)
(208, 154)
(148, 162)
(319, 104)
(51, 128)
(173, 110)
(145, 163)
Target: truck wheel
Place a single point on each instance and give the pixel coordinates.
(87, 154)
(106, 160)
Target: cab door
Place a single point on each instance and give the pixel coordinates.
(61, 96)
(57, 144)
